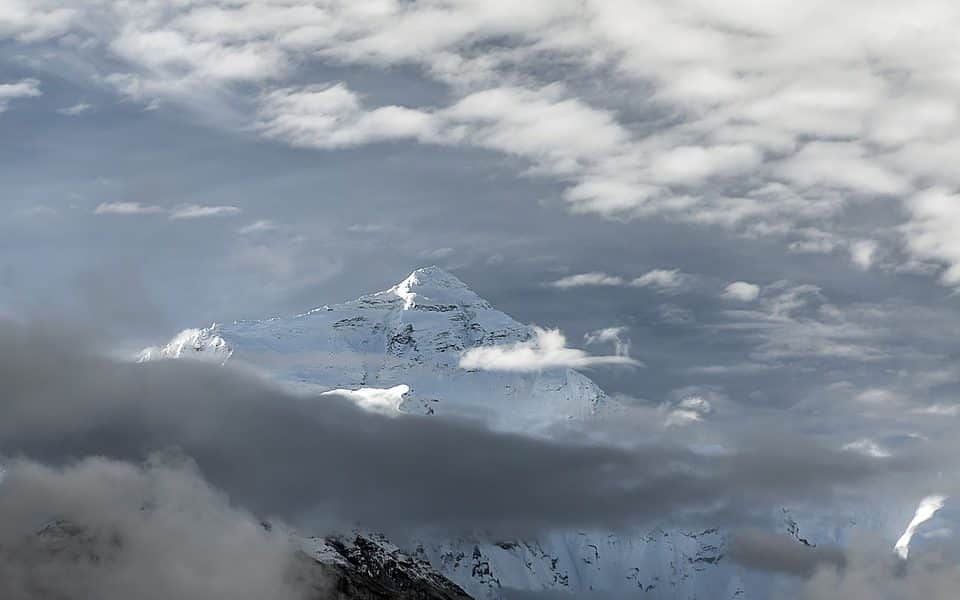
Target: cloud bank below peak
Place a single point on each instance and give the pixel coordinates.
(546, 349)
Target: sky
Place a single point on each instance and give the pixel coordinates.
(766, 213)
(756, 201)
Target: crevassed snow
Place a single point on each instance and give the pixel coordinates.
(925, 511)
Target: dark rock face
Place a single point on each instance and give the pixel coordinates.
(367, 568)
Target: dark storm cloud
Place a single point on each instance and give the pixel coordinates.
(782, 554)
(113, 530)
(325, 461)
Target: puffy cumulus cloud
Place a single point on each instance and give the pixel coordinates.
(741, 291)
(110, 529)
(332, 117)
(931, 231)
(687, 411)
(842, 165)
(588, 279)
(35, 20)
(737, 118)
(662, 280)
(25, 88)
(546, 349)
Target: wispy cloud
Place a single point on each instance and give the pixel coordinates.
(25, 88)
(610, 335)
(588, 279)
(187, 211)
(662, 280)
(126, 208)
(199, 211)
(75, 110)
(259, 226)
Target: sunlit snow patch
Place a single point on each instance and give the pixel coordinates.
(928, 507)
(386, 401)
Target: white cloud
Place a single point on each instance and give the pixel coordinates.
(741, 291)
(688, 411)
(928, 507)
(332, 117)
(35, 20)
(610, 335)
(842, 165)
(588, 279)
(75, 109)
(380, 400)
(25, 88)
(792, 321)
(756, 125)
(187, 211)
(259, 226)
(126, 208)
(867, 448)
(939, 410)
(863, 253)
(546, 349)
(931, 233)
(198, 211)
(690, 164)
(664, 280)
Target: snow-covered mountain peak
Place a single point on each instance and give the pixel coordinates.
(434, 287)
(409, 337)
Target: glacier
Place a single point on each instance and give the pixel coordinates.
(399, 351)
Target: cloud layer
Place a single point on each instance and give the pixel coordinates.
(738, 119)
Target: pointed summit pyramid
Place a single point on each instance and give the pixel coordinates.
(412, 334)
(433, 286)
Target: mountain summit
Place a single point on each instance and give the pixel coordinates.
(402, 347)
(433, 285)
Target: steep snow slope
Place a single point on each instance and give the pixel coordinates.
(399, 350)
